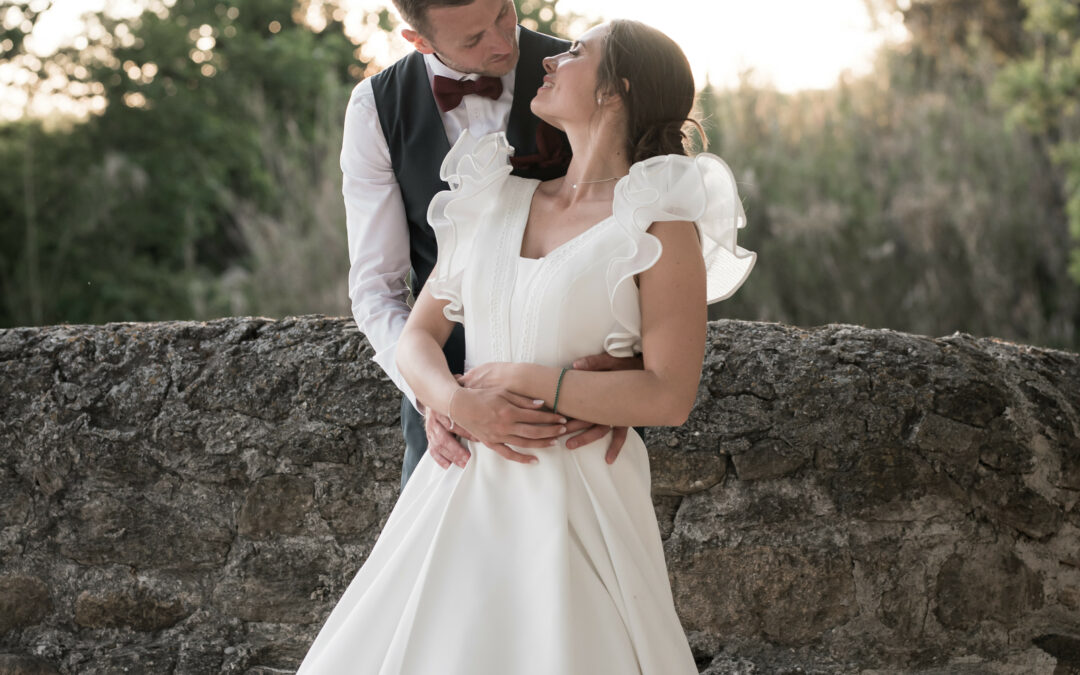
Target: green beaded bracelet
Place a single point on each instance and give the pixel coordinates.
(558, 386)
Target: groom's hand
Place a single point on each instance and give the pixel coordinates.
(605, 361)
(594, 432)
(443, 444)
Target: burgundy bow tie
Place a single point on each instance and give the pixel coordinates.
(449, 92)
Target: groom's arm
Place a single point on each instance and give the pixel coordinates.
(379, 253)
(378, 233)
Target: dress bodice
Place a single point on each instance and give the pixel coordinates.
(579, 299)
(527, 269)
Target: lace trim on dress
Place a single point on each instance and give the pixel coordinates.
(699, 189)
(473, 166)
(504, 270)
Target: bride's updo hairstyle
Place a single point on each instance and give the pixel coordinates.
(661, 92)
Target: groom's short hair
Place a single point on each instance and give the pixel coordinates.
(415, 12)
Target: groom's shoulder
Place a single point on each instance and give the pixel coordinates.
(409, 65)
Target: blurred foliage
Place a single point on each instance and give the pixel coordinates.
(946, 31)
(541, 15)
(885, 202)
(208, 182)
(903, 199)
(14, 30)
(1043, 86)
(1028, 51)
(128, 215)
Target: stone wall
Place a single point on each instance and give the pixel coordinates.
(193, 498)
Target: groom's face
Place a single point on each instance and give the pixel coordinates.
(480, 37)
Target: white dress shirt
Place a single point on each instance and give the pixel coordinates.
(375, 213)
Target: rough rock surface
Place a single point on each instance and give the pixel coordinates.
(194, 497)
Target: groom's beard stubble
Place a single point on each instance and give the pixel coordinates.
(504, 65)
(493, 67)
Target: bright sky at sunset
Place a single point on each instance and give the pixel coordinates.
(791, 44)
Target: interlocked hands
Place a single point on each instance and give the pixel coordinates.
(487, 412)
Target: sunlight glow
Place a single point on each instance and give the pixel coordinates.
(787, 44)
(790, 44)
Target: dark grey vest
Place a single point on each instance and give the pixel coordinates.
(417, 140)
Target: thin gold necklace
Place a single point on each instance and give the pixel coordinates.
(586, 182)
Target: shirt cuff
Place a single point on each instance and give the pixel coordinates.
(386, 361)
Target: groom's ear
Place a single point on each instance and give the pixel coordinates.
(418, 41)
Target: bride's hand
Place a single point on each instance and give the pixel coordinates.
(488, 375)
(497, 417)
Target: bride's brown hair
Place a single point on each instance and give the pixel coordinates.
(660, 94)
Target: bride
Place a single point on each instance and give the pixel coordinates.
(552, 564)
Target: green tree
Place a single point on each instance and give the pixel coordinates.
(888, 201)
(946, 30)
(130, 214)
(1043, 87)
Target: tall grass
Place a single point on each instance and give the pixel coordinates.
(885, 202)
(296, 259)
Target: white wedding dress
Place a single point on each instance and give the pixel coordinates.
(555, 568)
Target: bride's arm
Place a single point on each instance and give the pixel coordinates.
(673, 325)
(420, 357)
(493, 415)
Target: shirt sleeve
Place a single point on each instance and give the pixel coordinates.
(378, 233)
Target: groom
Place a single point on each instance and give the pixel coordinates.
(474, 68)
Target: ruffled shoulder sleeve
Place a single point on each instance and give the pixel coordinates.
(698, 189)
(475, 169)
